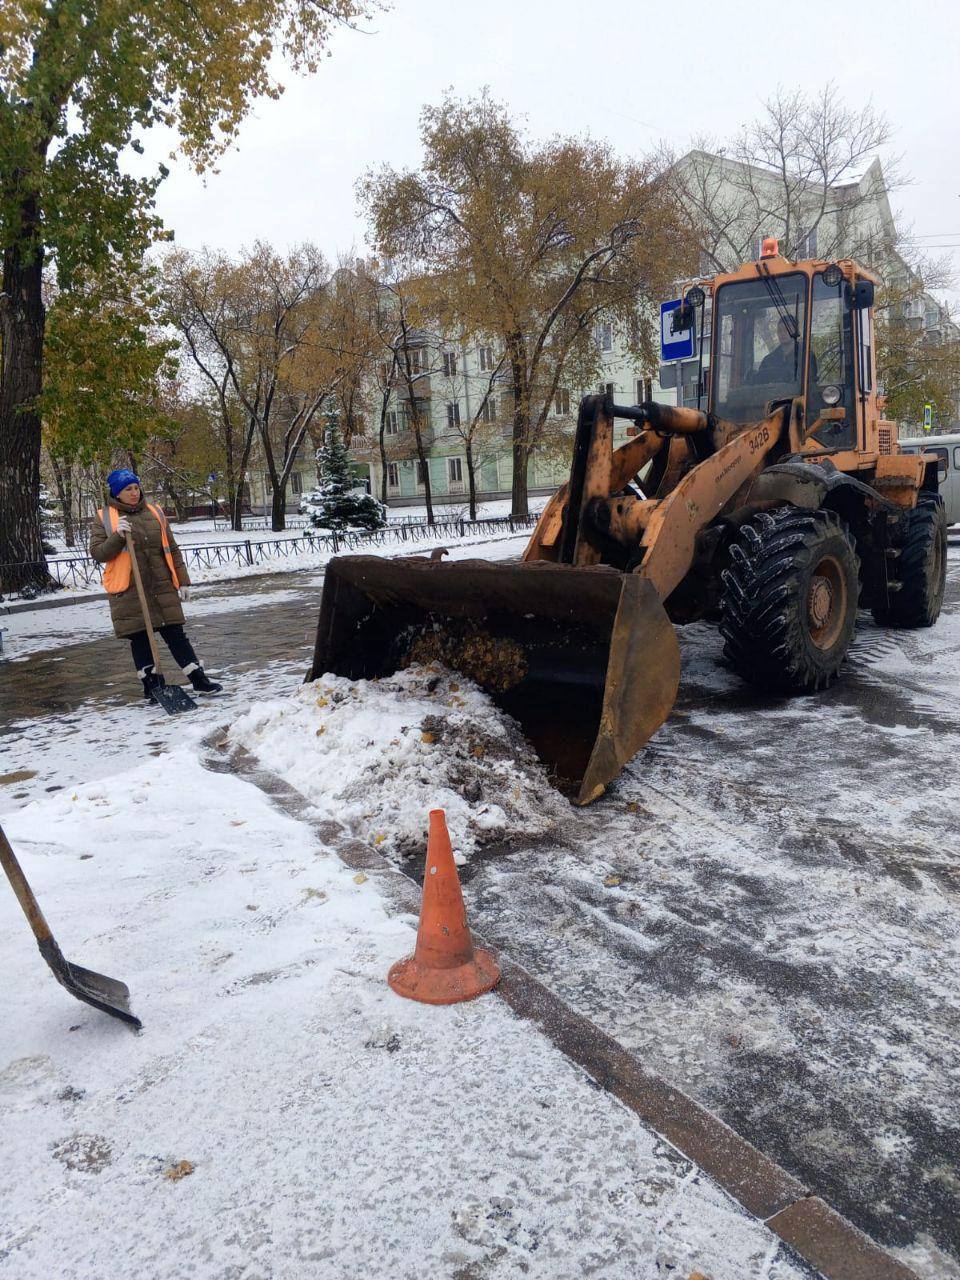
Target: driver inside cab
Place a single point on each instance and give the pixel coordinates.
(782, 363)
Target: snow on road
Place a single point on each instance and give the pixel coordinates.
(764, 907)
(283, 1113)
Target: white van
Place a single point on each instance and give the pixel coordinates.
(947, 449)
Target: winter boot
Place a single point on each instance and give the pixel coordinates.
(150, 680)
(202, 682)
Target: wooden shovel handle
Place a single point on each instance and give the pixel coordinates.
(144, 607)
(31, 908)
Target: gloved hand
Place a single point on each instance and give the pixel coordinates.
(124, 525)
(184, 593)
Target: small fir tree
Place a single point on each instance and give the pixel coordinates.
(50, 519)
(339, 504)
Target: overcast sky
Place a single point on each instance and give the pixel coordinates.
(634, 73)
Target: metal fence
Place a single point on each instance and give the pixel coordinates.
(78, 570)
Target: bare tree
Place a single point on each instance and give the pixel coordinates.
(265, 333)
(204, 301)
(806, 171)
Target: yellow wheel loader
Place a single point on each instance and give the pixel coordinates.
(778, 511)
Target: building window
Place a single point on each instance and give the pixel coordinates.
(421, 475)
(455, 470)
(450, 364)
(561, 402)
(605, 336)
(391, 423)
(488, 410)
(453, 414)
(296, 482)
(384, 374)
(807, 244)
(606, 388)
(393, 475)
(416, 359)
(486, 359)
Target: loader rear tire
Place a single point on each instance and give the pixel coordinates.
(921, 568)
(789, 604)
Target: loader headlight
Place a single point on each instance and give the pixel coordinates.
(832, 276)
(695, 296)
(831, 396)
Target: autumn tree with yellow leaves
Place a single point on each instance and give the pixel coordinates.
(81, 82)
(534, 244)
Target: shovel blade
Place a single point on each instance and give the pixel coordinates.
(584, 658)
(173, 699)
(106, 994)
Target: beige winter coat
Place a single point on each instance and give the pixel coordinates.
(158, 586)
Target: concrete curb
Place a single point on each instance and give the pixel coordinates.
(802, 1220)
(49, 602)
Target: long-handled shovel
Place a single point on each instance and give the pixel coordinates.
(169, 696)
(104, 993)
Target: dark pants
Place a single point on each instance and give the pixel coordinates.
(177, 643)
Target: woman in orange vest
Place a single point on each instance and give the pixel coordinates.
(165, 579)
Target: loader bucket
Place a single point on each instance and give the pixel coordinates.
(585, 659)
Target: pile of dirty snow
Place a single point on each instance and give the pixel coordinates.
(377, 755)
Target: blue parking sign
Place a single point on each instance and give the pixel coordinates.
(674, 346)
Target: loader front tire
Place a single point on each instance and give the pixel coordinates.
(789, 604)
(921, 568)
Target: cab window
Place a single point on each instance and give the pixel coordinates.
(759, 328)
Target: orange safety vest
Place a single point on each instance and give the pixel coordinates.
(118, 571)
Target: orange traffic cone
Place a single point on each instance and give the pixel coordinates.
(445, 968)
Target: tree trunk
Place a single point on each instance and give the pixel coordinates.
(422, 455)
(521, 426)
(383, 458)
(520, 507)
(63, 476)
(278, 507)
(69, 525)
(471, 480)
(22, 319)
(236, 514)
(233, 485)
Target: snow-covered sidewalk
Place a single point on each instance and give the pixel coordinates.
(283, 1114)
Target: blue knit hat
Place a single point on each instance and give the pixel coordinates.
(118, 480)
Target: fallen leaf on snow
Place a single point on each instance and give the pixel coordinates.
(238, 822)
(182, 1169)
(611, 881)
(427, 736)
(380, 838)
(359, 878)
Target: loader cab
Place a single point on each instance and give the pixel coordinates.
(783, 330)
